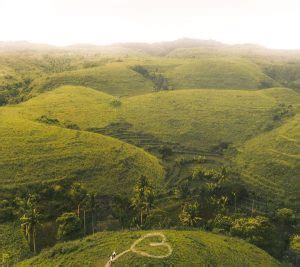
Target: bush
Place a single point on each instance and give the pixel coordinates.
(199, 173)
(285, 216)
(222, 223)
(165, 151)
(116, 103)
(295, 245)
(257, 231)
(69, 226)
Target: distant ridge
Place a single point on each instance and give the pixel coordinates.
(156, 48)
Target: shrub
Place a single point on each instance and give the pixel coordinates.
(190, 215)
(222, 222)
(295, 245)
(257, 231)
(116, 103)
(285, 216)
(69, 226)
(165, 151)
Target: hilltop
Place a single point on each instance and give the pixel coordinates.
(193, 248)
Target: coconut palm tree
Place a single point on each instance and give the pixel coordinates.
(143, 199)
(30, 220)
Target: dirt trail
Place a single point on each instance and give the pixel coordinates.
(145, 254)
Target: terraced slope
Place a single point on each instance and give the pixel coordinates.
(115, 79)
(270, 163)
(203, 119)
(34, 152)
(186, 248)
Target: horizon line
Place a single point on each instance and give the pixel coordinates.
(144, 42)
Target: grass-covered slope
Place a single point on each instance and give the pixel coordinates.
(195, 118)
(82, 106)
(114, 78)
(270, 163)
(219, 72)
(187, 248)
(204, 118)
(34, 152)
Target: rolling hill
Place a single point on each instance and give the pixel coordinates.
(113, 78)
(219, 72)
(194, 118)
(270, 164)
(91, 114)
(33, 151)
(187, 248)
(203, 120)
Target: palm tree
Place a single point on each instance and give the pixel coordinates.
(78, 195)
(30, 220)
(89, 205)
(143, 198)
(190, 215)
(92, 202)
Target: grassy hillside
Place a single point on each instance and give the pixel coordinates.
(188, 248)
(270, 163)
(201, 119)
(219, 72)
(82, 106)
(114, 78)
(32, 151)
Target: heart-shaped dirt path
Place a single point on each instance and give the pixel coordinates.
(143, 253)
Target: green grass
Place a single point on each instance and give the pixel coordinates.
(114, 78)
(35, 152)
(190, 248)
(13, 246)
(198, 119)
(219, 72)
(83, 106)
(270, 163)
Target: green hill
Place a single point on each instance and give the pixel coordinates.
(114, 78)
(34, 151)
(219, 72)
(181, 248)
(201, 119)
(204, 120)
(270, 163)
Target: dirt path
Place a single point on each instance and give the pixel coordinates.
(145, 254)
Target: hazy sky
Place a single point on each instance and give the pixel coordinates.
(273, 23)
